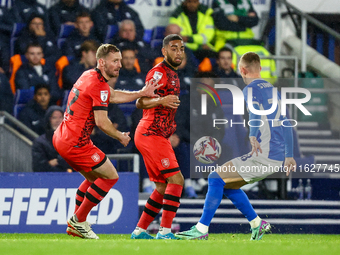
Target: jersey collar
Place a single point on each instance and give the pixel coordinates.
(169, 66)
(98, 71)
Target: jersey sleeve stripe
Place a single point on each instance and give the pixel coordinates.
(100, 163)
(166, 171)
(104, 108)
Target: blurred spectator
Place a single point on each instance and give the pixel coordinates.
(175, 29)
(44, 157)
(129, 78)
(34, 112)
(197, 27)
(186, 71)
(35, 32)
(112, 12)
(233, 21)
(6, 95)
(64, 12)
(188, 68)
(127, 38)
(6, 27)
(223, 67)
(75, 69)
(83, 31)
(34, 72)
(22, 11)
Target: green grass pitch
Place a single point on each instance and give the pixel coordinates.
(272, 244)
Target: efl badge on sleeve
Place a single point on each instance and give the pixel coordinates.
(104, 94)
(157, 75)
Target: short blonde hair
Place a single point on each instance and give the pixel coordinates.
(251, 60)
(105, 49)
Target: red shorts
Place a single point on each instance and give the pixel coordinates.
(158, 155)
(86, 158)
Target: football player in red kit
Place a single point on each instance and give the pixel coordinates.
(87, 106)
(152, 140)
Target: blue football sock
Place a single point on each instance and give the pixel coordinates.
(213, 198)
(241, 202)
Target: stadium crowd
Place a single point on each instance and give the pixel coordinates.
(44, 51)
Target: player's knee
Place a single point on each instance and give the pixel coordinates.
(215, 179)
(176, 179)
(160, 187)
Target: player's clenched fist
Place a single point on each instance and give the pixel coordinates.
(124, 138)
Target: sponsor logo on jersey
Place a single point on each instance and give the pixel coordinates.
(157, 75)
(95, 157)
(165, 162)
(104, 94)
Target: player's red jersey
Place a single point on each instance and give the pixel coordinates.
(90, 92)
(160, 120)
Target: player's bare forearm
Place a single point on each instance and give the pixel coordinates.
(171, 101)
(148, 102)
(105, 125)
(122, 96)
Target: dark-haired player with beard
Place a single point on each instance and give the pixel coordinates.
(87, 106)
(152, 140)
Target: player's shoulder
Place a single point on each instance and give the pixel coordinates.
(261, 84)
(92, 74)
(157, 72)
(91, 81)
(92, 77)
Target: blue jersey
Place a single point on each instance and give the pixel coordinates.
(270, 134)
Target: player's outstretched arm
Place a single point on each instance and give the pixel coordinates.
(122, 96)
(105, 124)
(171, 101)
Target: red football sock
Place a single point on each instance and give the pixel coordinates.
(81, 193)
(95, 193)
(171, 203)
(151, 209)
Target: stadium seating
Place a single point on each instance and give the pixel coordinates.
(64, 100)
(61, 63)
(127, 109)
(22, 97)
(147, 35)
(111, 31)
(157, 36)
(17, 28)
(15, 62)
(65, 31)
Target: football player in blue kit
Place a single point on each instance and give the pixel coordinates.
(272, 144)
